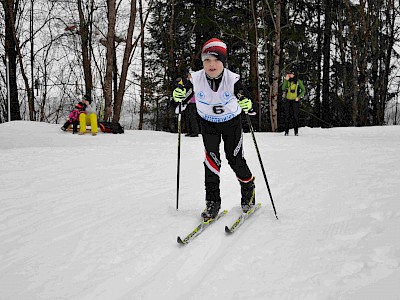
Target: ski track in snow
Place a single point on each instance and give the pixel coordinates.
(68, 233)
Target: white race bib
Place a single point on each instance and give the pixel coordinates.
(219, 106)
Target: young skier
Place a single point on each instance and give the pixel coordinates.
(220, 100)
(73, 118)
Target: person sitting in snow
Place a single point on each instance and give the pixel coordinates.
(220, 100)
(88, 116)
(73, 118)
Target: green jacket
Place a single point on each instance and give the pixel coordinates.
(294, 90)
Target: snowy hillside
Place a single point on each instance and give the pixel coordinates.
(84, 217)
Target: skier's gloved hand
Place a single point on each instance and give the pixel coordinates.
(245, 104)
(179, 94)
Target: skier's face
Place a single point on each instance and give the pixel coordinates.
(213, 67)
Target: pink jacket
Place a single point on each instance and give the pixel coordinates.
(74, 115)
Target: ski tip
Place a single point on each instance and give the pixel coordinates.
(227, 230)
(225, 212)
(179, 240)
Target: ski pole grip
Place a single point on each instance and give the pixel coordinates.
(240, 95)
(179, 80)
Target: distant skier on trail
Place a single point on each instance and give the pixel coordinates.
(220, 100)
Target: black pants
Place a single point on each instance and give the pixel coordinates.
(74, 125)
(292, 108)
(191, 119)
(231, 133)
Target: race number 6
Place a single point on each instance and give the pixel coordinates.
(218, 109)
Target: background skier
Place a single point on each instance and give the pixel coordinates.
(294, 91)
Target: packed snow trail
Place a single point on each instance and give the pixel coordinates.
(86, 217)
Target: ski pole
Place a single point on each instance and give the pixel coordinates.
(259, 157)
(179, 156)
(180, 83)
(319, 119)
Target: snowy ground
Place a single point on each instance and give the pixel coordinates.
(85, 217)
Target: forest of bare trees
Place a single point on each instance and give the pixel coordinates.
(128, 54)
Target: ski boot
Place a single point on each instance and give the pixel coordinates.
(248, 195)
(211, 210)
(75, 127)
(213, 202)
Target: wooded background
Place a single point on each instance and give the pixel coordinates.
(127, 55)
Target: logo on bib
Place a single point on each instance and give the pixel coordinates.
(200, 95)
(227, 95)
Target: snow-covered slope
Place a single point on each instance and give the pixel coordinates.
(85, 217)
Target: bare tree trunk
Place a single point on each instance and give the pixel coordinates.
(391, 14)
(172, 69)
(11, 53)
(126, 61)
(115, 80)
(265, 37)
(354, 62)
(277, 57)
(326, 49)
(9, 11)
(109, 57)
(375, 56)
(44, 84)
(142, 82)
(342, 45)
(32, 112)
(364, 98)
(85, 34)
(317, 101)
(143, 70)
(254, 74)
(171, 36)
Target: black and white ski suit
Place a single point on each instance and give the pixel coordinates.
(217, 105)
